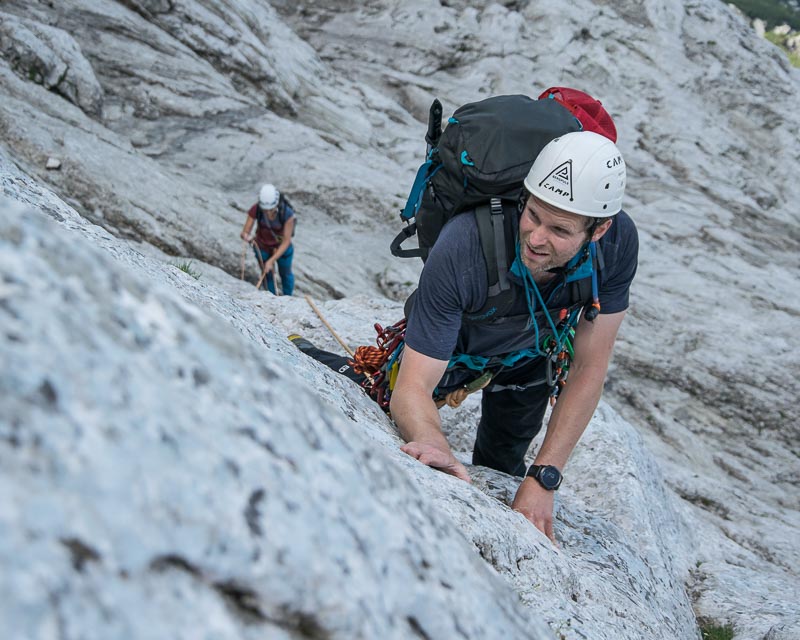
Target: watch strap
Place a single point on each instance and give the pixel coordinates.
(535, 472)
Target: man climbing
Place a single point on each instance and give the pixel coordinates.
(273, 240)
(510, 300)
(572, 230)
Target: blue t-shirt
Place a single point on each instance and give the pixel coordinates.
(454, 282)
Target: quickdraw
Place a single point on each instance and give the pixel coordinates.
(558, 362)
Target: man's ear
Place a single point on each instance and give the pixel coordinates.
(601, 229)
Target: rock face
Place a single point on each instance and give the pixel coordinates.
(162, 477)
(202, 102)
(157, 464)
(50, 57)
(167, 116)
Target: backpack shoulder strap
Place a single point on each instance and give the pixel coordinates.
(496, 230)
(581, 291)
(282, 204)
(581, 288)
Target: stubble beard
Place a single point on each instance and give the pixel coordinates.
(535, 269)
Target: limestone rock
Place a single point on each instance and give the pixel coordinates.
(52, 58)
(163, 477)
(203, 100)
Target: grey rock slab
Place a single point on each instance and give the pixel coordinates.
(704, 366)
(52, 58)
(156, 464)
(205, 391)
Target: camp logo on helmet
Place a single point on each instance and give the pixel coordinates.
(562, 175)
(614, 162)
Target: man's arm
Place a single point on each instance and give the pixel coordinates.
(594, 342)
(416, 415)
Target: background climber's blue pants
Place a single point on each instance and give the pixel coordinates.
(284, 268)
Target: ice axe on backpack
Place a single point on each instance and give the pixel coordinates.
(424, 174)
(434, 125)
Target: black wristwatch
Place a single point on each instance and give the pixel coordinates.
(546, 475)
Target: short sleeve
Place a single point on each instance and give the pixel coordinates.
(620, 247)
(452, 282)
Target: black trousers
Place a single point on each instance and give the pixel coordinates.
(512, 410)
(510, 420)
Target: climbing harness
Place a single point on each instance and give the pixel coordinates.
(381, 365)
(555, 347)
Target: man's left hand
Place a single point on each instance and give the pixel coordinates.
(536, 503)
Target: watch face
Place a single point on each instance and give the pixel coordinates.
(550, 477)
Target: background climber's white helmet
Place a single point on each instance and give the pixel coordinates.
(581, 172)
(268, 197)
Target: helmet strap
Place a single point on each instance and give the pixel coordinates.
(596, 222)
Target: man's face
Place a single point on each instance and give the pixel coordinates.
(550, 237)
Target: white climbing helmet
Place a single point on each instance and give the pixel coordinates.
(581, 172)
(268, 197)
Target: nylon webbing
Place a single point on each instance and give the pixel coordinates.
(498, 226)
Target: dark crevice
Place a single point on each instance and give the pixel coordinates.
(173, 561)
(416, 627)
(80, 553)
(242, 600)
(252, 514)
(706, 503)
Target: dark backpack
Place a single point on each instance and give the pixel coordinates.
(479, 162)
(283, 204)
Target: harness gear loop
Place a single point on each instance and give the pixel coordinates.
(558, 363)
(456, 397)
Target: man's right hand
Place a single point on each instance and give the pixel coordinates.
(536, 503)
(436, 458)
(245, 236)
